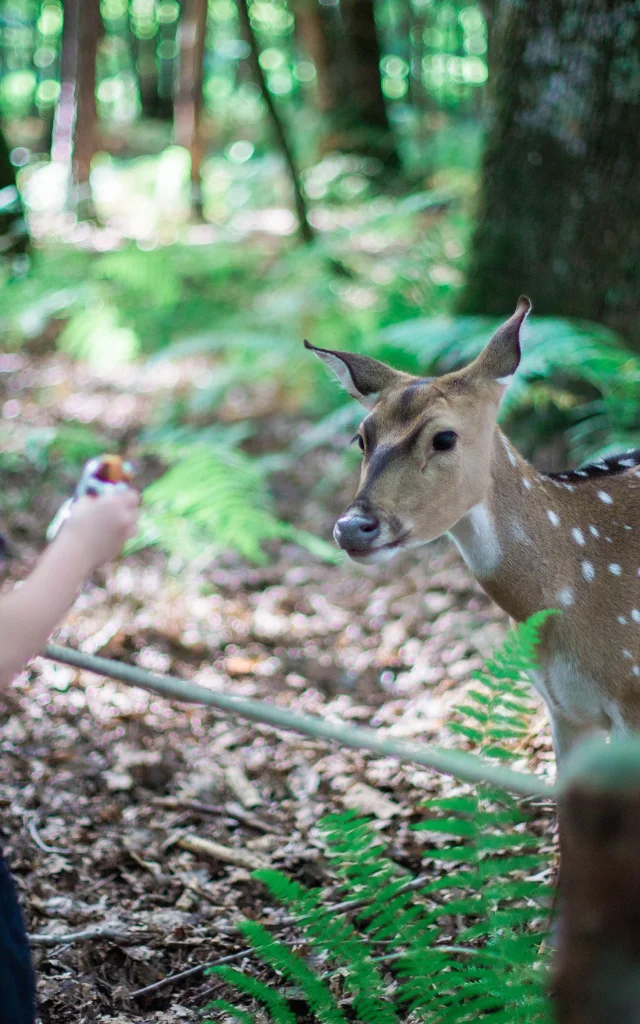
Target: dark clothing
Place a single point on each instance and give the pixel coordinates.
(17, 983)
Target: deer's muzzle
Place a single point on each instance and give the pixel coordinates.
(356, 531)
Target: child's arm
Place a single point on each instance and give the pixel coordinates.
(94, 533)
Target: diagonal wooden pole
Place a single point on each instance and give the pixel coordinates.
(462, 766)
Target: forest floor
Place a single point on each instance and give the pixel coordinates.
(99, 781)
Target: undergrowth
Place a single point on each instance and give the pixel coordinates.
(243, 312)
(399, 955)
(215, 498)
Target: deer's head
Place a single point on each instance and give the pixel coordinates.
(426, 444)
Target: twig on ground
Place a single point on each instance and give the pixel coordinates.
(178, 803)
(236, 811)
(227, 854)
(40, 843)
(101, 931)
(241, 787)
(189, 973)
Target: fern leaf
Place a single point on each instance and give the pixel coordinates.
(269, 997)
(233, 1012)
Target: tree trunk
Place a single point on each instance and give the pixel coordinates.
(188, 106)
(74, 131)
(364, 116)
(14, 233)
(559, 205)
(314, 36)
(306, 231)
(597, 969)
(153, 105)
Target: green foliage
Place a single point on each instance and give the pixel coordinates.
(212, 499)
(390, 952)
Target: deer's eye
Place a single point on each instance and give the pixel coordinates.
(359, 439)
(445, 440)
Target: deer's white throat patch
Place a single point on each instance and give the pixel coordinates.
(477, 540)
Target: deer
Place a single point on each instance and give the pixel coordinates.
(435, 462)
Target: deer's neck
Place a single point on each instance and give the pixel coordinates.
(509, 541)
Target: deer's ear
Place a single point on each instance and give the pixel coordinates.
(364, 378)
(499, 360)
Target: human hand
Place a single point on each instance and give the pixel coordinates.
(99, 526)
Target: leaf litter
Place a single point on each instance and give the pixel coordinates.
(127, 815)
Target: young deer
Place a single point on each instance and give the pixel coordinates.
(435, 462)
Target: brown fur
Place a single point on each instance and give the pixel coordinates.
(570, 542)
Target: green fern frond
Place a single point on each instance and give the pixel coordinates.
(233, 1012)
(488, 862)
(295, 970)
(216, 500)
(266, 995)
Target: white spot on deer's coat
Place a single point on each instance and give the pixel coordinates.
(635, 615)
(476, 538)
(588, 571)
(577, 535)
(627, 462)
(594, 531)
(627, 654)
(636, 670)
(519, 534)
(568, 487)
(581, 472)
(554, 519)
(526, 483)
(628, 527)
(608, 500)
(565, 597)
(622, 620)
(615, 569)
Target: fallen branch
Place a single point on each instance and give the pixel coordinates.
(216, 851)
(449, 762)
(101, 931)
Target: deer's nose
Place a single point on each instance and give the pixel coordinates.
(356, 531)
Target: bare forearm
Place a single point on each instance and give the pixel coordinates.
(29, 613)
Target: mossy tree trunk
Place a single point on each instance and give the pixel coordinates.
(559, 203)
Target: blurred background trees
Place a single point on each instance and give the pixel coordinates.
(221, 178)
(559, 210)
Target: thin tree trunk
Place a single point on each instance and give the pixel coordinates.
(188, 106)
(152, 103)
(365, 117)
(74, 130)
(559, 205)
(306, 230)
(14, 233)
